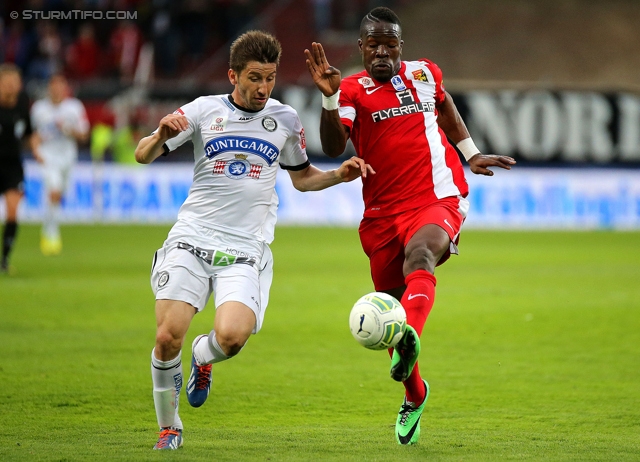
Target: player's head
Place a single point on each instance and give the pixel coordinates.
(254, 59)
(58, 88)
(381, 43)
(10, 84)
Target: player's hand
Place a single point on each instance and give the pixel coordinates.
(326, 77)
(171, 125)
(353, 168)
(480, 162)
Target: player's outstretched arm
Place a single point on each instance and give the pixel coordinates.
(314, 179)
(333, 134)
(454, 127)
(150, 147)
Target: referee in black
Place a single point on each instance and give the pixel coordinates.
(15, 125)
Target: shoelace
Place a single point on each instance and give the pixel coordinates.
(204, 373)
(165, 434)
(405, 411)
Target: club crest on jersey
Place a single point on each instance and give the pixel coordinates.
(219, 123)
(421, 75)
(397, 83)
(269, 124)
(366, 82)
(238, 168)
(241, 144)
(179, 111)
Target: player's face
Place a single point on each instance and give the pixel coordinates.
(10, 86)
(57, 89)
(253, 85)
(381, 49)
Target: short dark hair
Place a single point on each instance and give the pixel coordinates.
(254, 45)
(9, 68)
(379, 14)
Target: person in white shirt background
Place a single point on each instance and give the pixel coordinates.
(60, 122)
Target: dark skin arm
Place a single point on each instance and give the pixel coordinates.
(453, 126)
(333, 134)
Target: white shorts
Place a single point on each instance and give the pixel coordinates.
(56, 177)
(187, 272)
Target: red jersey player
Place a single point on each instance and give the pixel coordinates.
(399, 118)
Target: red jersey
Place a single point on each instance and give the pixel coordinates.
(393, 127)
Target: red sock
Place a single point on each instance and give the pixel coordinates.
(417, 302)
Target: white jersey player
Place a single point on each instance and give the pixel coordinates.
(220, 243)
(60, 122)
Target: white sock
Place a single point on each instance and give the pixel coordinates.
(51, 223)
(167, 382)
(208, 350)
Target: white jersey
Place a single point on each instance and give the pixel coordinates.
(236, 155)
(48, 119)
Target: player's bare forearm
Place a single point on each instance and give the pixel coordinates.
(149, 148)
(34, 145)
(450, 122)
(333, 134)
(314, 179)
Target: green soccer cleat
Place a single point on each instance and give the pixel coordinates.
(408, 422)
(405, 355)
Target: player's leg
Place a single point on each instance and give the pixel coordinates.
(241, 295)
(173, 318)
(181, 287)
(12, 200)
(50, 241)
(429, 243)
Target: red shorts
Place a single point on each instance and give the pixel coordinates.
(385, 238)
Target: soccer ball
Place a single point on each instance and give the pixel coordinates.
(377, 321)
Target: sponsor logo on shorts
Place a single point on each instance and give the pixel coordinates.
(163, 278)
(217, 257)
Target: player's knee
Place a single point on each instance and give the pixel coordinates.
(231, 341)
(421, 257)
(167, 342)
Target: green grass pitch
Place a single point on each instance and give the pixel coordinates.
(532, 351)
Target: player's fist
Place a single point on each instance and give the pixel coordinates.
(171, 125)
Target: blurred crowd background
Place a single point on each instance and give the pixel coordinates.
(129, 72)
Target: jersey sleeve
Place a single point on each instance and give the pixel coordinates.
(192, 113)
(347, 109)
(294, 152)
(437, 76)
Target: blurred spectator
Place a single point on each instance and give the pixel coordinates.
(48, 58)
(18, 44)
(239, 14)
(83, 55)
(166, 42)
(125, 43)
(322, 15)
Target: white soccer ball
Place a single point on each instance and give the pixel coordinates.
(377, 321)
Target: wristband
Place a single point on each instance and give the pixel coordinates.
(468, 148)
(330, 103)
